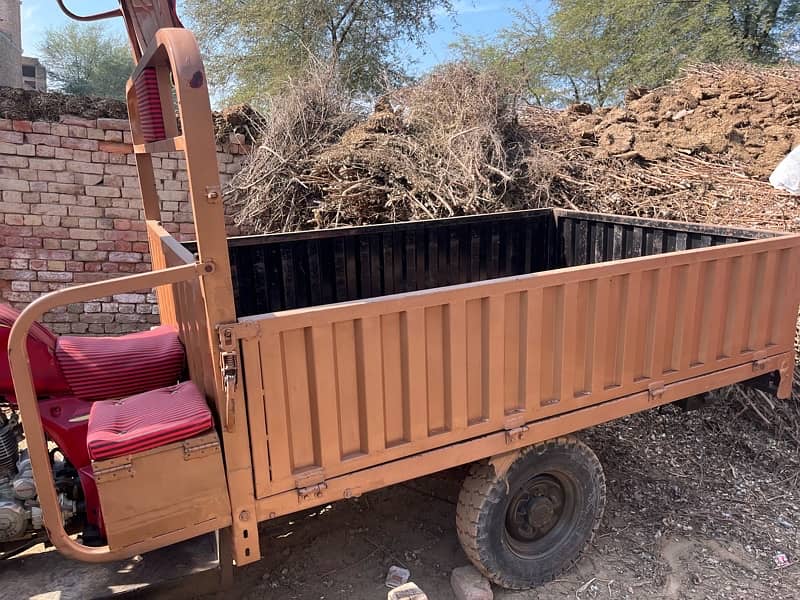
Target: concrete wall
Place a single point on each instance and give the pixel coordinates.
(10, 63)
(70, 213)
(10, 43)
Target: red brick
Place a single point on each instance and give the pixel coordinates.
(23, 126)
(114, 147)
(74, 266)
(17, 162)
(11, 137)
(13, 219)
(122, 246)
(85, 234)
(17, 275)
(88, 277)
(126, 236)
(41, 127)
(46, 151)
(14, 185)
(42, 138)
(77, 131)
(32, 219)
(47, 164)
(116, 124)
(14, 207)
(65, 153)
(64, 188)
(86, 255)
(61, 276)
(52, 210)
(113, 136)
(85, 211)
(102, 191)
(79, 144)
(26, 150)
(54, 254)
(78, 121)
(122, 213)
(51, 232)
(6, 125)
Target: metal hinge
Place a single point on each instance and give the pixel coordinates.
(311, 483)
(759, 361)
(316, 490)
(192, 450)
(516, 434)
(114, 472)
(656, 391)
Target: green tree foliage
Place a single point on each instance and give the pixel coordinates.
(592, 50)
(255, 46)
(86, 60)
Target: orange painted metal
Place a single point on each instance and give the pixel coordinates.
(349, 386)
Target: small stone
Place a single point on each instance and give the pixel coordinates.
(407, 591)
(469, 584)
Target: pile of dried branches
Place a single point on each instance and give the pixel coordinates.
(443, 147)
(271, 192)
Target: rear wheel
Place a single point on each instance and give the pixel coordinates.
(523, 527)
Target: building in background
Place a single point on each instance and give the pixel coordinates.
(17, 70)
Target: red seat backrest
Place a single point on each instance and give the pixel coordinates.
(47, 376)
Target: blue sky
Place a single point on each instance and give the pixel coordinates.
(472, 18)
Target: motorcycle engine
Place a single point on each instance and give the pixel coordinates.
(18, 506)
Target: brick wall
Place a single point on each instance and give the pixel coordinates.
(70, 213)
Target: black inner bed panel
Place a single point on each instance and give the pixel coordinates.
(296, 270)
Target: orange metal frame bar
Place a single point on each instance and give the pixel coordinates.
(175, 56)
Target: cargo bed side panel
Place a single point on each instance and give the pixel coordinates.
(338, 388)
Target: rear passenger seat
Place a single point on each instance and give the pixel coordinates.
(146, 421)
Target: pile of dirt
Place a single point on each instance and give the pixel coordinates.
(747, 115)
(700, 149)
(28, 105)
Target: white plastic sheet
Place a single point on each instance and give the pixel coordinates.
(786, 175)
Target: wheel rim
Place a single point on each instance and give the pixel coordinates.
(540, 513)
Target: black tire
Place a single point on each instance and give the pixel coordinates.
(524, 528)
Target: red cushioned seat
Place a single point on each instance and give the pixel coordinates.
(146, 421)
(100, 368)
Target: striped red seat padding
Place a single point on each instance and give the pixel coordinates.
(101, 368)
(151, 116)
(146, 421)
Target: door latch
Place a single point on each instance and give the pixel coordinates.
(229, 366)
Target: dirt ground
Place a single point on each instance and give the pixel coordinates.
(699, 504)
